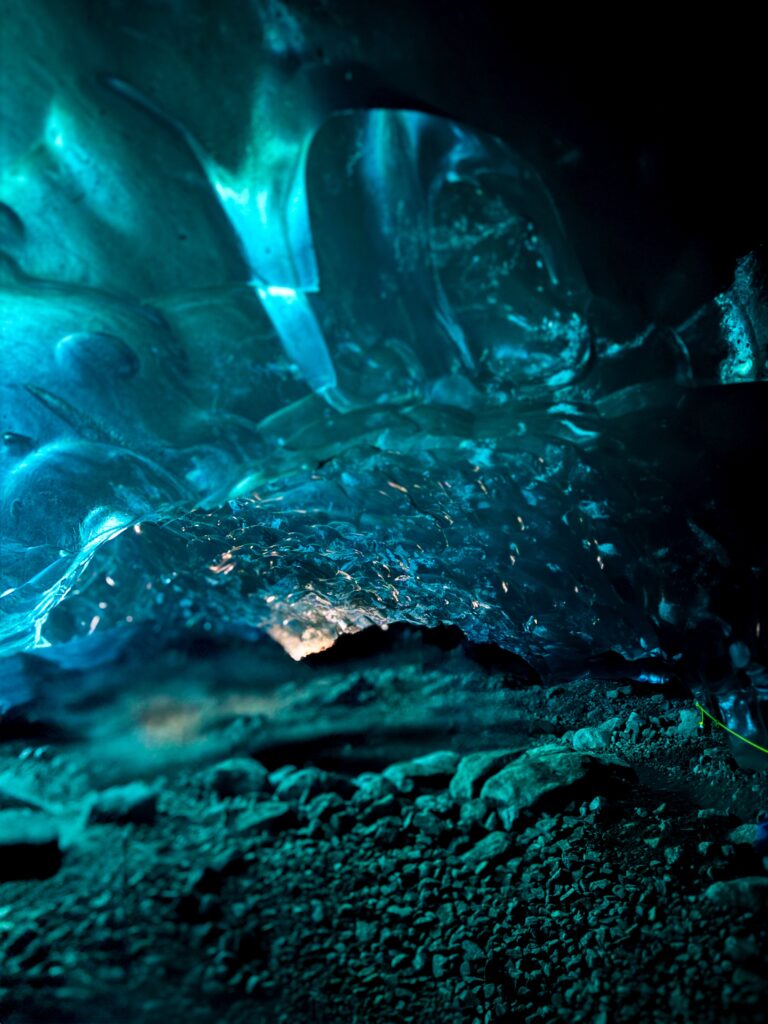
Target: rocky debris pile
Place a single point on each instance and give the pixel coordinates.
(502, 885)
(591, 877)
(134, 804)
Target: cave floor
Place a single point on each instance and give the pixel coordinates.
(371, 882)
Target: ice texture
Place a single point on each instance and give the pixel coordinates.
(275, 360)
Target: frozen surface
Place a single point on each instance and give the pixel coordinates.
(272, 361)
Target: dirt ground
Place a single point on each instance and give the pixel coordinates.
(233, 838)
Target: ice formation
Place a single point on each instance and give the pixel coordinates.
(275, 360)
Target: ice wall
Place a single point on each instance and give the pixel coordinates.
(276, 360)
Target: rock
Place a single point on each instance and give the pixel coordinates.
(439, 965)
(548, 777)
(272, 816)
(595, 737)
(472, 952)
(496, 846)
(740, 893)
(688, 724)
(134, 804)
(474, 769)
(29, 845)
(324, 806)
(277, 776)
(239, 776)
(309, 782)
(420, 960)
(403, 913)
(430, 824)
(439, 803)
(620, 691)
(429, 771)
(473, 814)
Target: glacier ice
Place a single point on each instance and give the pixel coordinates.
(277, 360)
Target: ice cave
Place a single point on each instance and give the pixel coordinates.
(381, 532)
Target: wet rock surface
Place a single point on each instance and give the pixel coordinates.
(395, 862)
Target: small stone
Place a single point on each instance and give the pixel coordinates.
(714, 815)
(272, 816)
(446, 913)
(430, 771)
(439, 965)
(277, 776)
(595, 737)
(429, 824)
(308, 782)
(403, 913)
(633, 725)
(743, 835)
(474, 769)
(372, 786)
(496, 846)
(324, 806)
(473, 814)
(688, 724)
(420, 959)
(472, 952)
(134, 804)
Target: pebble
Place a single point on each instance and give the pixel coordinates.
(474, 769)
(493, 848)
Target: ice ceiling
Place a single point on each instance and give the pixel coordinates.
(275, 360)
